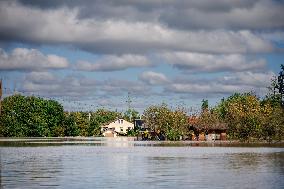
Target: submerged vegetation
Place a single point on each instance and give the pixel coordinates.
(246, 117)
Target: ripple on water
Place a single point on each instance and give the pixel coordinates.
(131, 164)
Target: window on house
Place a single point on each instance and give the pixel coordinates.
(121, 129)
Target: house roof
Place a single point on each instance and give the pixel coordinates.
(194, 121)
(216, 126)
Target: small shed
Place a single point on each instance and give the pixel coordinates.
(211, 132)
(140, 125)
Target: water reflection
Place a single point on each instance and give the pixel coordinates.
(244, 160)
(108, 163)
(37, 168)
(254, 161)
(1, 186)
(276, 161)
(122, 142)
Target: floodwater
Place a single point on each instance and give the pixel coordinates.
(124, 163)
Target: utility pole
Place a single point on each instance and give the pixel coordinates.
(128, 101)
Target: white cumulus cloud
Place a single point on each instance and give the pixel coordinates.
(153, 78)
(23, 59)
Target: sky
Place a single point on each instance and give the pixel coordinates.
(95, 53)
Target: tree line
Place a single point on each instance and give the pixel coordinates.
(246, 116)
(30, 116)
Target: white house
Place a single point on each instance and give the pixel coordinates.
(120, 126)
(109, 133)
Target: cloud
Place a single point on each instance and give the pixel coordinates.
(196, 62)
(117, 87)
(257, 80)
(50, 84)
(114, 63)
(233, 14)
(22, 59)
(275, 36)
(76, 86)
(229, 84)
(41, 78)
(153, 78)
(80, 93)
(63, 26)
(216, 47)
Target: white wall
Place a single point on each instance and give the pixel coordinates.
(120, 126)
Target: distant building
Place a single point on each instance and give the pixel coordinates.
(217, 131)
(140, 124)
(119, 126)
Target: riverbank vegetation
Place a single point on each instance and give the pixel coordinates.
(246, 117)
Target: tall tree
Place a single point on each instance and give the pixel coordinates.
(160, 118)
(130, 115)
(204, 105)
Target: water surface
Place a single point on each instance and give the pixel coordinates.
(123, 163)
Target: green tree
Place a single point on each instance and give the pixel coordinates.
(130, 115)
(179, 126)
(70, 127)
(208, 120)
(78, 123)
(273, 125)
(54, 116)
(243, 113)
(273, 96)
(204, 105)
(99, 118)
(81, 122)
(30, 116)
(160, 118)
(157, 117)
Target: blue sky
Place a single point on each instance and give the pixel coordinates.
(91, 54)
